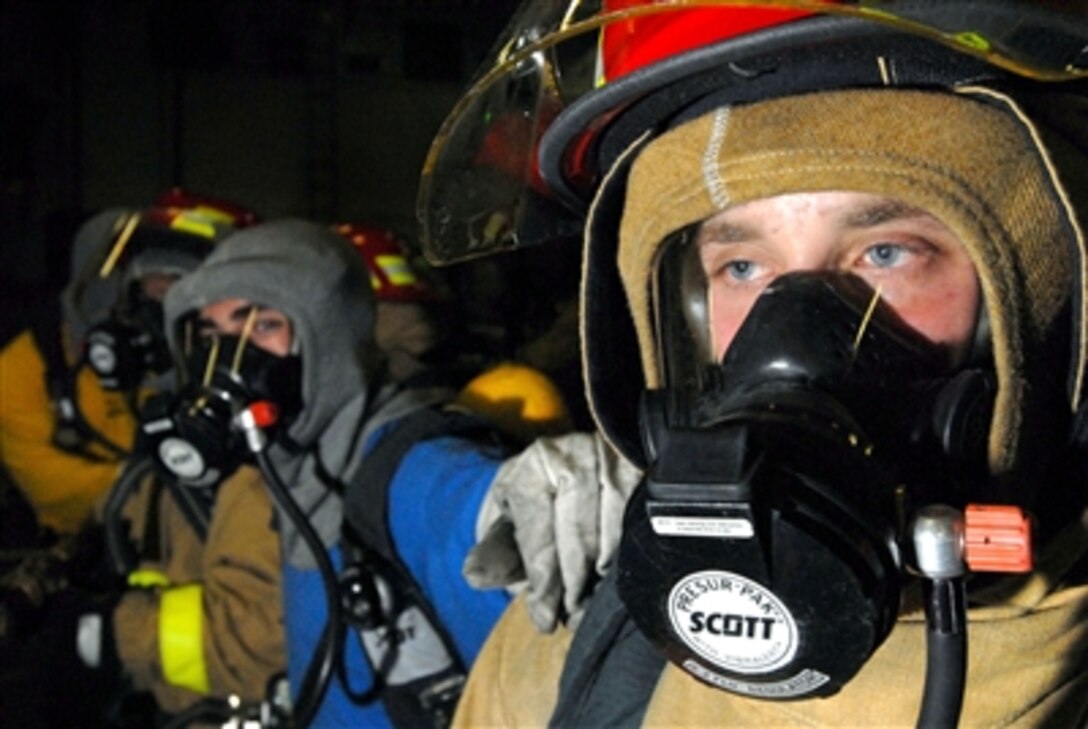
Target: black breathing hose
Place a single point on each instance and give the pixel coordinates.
(184, 497)
(946, 653)
(322, 663)
(207, 710)
(122, 560)
(939, 540)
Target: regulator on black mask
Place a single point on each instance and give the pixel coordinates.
(233, 390)
(124, 348)
(765, 550)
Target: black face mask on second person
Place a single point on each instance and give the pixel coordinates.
(765, 550)
(199, 434)
(122, 350)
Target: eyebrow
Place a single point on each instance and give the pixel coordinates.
(868, 216)
(238, 315)
(242, 313)
(883, 211)
(722, 232)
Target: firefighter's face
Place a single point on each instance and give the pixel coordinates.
(269, 329)
(155, 285)
(916, 264)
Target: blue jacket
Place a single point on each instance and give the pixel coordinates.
(434, 500)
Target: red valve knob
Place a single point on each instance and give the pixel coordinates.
(264, 413)
(997, 539)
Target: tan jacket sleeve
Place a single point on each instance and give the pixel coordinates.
(245, 645)
(515, 679)
(238, 569)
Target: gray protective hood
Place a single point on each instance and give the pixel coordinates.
(88, 298)
(320, 283)
(313, 276)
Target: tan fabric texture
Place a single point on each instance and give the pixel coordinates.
(239, 569)
(1027, 642)
(976, 168)
(514, 681)
(404, 332)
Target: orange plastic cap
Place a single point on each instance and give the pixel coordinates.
(998, 539)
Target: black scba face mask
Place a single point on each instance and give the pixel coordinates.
(765, 550)
(233, 388)
(125, 348)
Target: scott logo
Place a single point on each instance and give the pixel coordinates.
(181, 457)
(732, 625)
(732, 622)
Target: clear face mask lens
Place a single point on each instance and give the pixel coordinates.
(681, 315)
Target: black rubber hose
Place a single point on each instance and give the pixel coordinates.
(322, 663)
(122, 559)
(206, 711)
(197, 517)
(946, 653)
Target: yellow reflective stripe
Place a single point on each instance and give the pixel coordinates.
(194, 224)
(148, 578)
(215, 214)
(181, 638)
(397, 269)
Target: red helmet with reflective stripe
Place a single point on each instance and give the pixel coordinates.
(176, 202)
(584, 79)
(173, 234)
(392, 275)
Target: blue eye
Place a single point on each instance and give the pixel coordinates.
(267, 325)
(740, 270)
(885, 255)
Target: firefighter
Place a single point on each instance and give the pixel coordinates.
(72, 380)
(379, 486)
(832, 311)
(157, 616)
(404, 327)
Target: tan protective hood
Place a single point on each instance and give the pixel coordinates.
(973, 160)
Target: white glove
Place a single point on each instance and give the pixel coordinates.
(553, 519)
(89, 639)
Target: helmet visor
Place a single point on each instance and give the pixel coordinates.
(481, 189)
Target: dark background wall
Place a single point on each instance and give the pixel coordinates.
(318, 108)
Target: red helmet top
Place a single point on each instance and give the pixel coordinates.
(640, 41)
(392, 275)
(574, 84)
(176, 201)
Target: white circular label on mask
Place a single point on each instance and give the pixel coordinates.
(181, 457)
(102, 358)
(733, 622)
